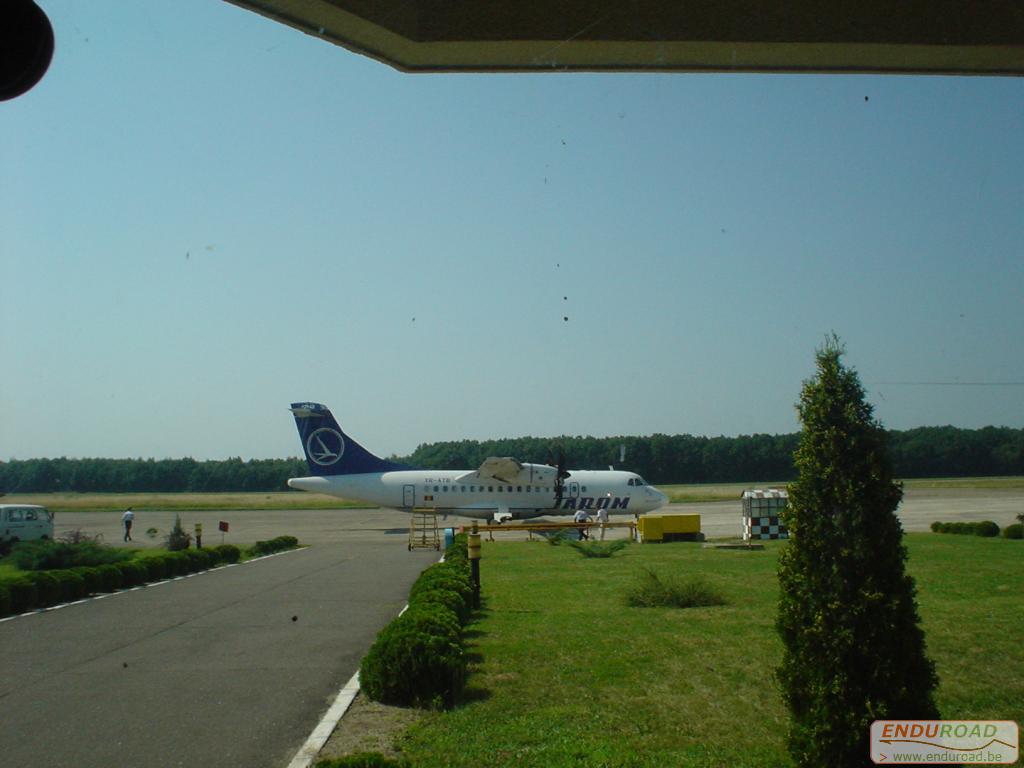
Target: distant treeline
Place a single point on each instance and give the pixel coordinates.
(922, 452)
(147, 475)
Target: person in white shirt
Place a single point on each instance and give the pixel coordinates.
(581, 516)
(126, 520)
(602, 515)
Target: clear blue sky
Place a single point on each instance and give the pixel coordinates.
(205, 216)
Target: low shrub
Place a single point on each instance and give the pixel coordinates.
(47, 588)
(447, 575)
(986, 528)
(156, 568)
(655, 591)
(556, 538)
(364, 760)
(72, 585)
(5, 599)
(278, 544)
(133, 573)
(176, 563)
(228, 553)
(91, 579)
(982, 528)
(416, 660)
(446, 598)
(111, 579)
(178, 539)
(1015, 531)
(459, 548)
(199, 560)
(24, 595)
(598, 548)
(57, 555)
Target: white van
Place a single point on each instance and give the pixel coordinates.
(21, 522)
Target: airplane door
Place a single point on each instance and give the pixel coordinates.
(574, 490)
(409, 496)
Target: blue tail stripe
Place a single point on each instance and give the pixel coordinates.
(329, 451)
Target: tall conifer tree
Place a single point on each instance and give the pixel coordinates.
(854, 651)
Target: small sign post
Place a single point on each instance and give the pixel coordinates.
(223, 526)
(474, 564)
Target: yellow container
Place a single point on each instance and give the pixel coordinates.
(669, 527)
(650, 528)
(680, 523)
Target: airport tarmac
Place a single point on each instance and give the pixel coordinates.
(919, 508)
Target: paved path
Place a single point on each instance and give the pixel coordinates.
(203, 671)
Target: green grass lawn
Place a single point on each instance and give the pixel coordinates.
(562, 673)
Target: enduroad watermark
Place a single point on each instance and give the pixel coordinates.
(944, 741)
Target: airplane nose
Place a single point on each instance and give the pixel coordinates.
(659, 498)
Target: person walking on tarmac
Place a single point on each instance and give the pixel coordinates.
(126, 520)
(581, 516)
(602, 515)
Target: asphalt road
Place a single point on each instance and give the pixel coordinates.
(202, 671)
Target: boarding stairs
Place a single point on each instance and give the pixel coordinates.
(423, 530)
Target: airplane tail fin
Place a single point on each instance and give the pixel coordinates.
(329, 451)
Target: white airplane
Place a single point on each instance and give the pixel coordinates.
(500, 489)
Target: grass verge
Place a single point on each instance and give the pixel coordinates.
(562, 674)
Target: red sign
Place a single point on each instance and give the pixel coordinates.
(223, 527)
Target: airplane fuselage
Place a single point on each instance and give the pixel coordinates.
(532, 493)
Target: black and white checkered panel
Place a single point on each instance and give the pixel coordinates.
(764, 528)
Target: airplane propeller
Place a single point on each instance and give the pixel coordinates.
(560, 474)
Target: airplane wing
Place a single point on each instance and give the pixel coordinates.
(505, 469)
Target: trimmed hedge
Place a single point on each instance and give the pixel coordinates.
(33, 589)
(1015, 531)
(111, 579)
(446, 598)
(156, 568)
(419, 658)
(278, 544)
(24, 595)
(91, 578)
(47, 555)
(416, 660)
(985, 528)
(364, 760)
(72, 585)
(199, 560)
(176, 563)
(228, 553)
(133, 573)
